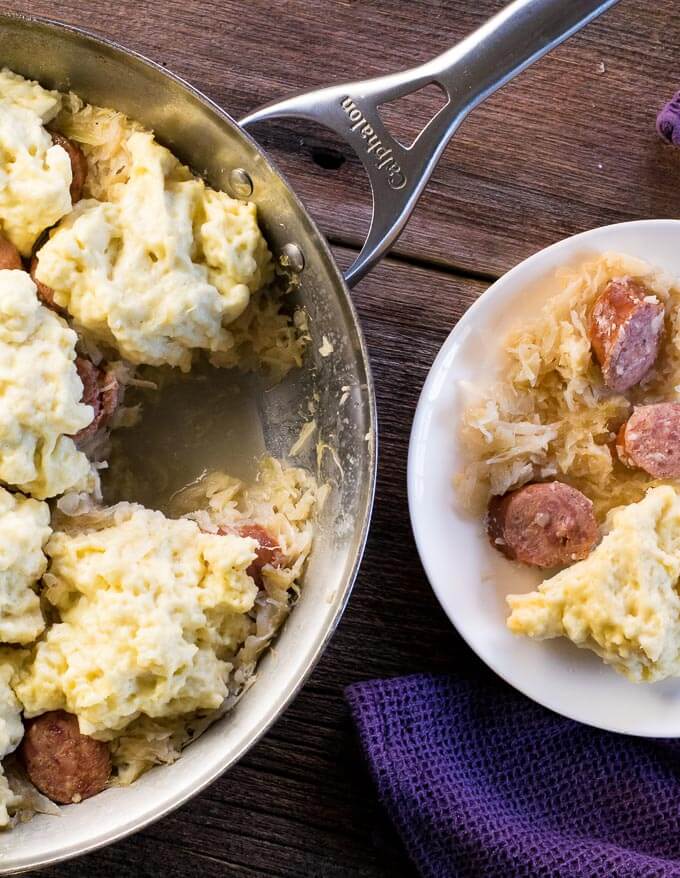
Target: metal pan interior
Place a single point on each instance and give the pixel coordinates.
(241, 414)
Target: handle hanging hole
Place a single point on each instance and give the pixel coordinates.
(406, 116)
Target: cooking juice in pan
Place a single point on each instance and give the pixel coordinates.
(220, 429)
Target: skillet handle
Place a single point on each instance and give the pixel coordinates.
(483, 62)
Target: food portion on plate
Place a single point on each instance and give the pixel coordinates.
(621, 600)
(573, 460)
(125, 631)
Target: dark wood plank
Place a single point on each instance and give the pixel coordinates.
(301, 803)
(568, 146)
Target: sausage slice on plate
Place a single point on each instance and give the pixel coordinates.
(650, 440)
(546, 524)
(78, 164)
(63, 764)
(9, 255)
(625, 332)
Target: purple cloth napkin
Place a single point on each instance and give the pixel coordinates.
(482, 782)
(668, 121)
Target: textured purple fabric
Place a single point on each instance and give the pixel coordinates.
(668, 121)
(482, 782)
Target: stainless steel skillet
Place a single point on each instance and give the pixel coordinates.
(207, 139)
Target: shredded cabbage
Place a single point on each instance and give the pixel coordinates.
(102, 134)
(551, 415)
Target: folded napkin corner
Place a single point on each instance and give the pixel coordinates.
(481, 782)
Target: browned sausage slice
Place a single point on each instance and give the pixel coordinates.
(63, 764)
(268, 550)
(45, 293)
(546, 524)
(650, 440)
(625, 331)
(78, 164)
(9, 255)
(101, 390)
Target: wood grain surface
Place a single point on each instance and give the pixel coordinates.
(568, 146)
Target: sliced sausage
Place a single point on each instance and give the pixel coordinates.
(650, 440)
(78, 164)
(546, 524)
(268, 550)
(625, 332)
(101, 390)
(45, 293)
(9, 255)
(63, 764)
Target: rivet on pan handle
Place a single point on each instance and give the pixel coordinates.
(471, 71)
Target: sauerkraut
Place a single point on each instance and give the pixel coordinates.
(551, 415)
(265, 337)
(282, 500)
(102, 134)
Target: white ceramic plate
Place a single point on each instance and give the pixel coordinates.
(469, 578)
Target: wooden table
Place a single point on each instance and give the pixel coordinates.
(569, 146)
